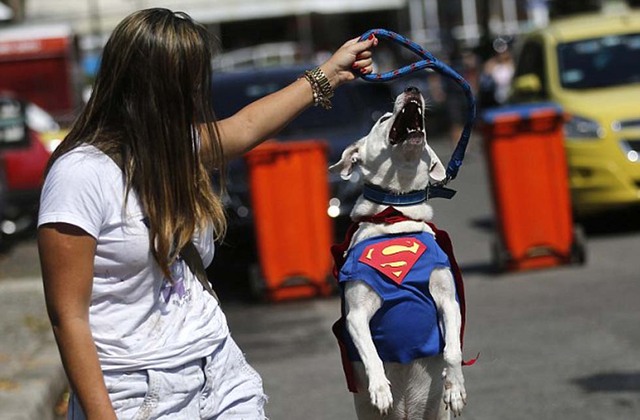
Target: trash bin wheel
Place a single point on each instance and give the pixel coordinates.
(500, 256)
(257, 285)
(332, 285)
(578, 253)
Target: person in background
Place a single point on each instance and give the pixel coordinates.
(126, 193)
(497, 72)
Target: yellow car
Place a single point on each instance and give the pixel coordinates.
(590, 65)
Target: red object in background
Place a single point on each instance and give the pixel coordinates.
(290, 195)
(530, 186)
(24, 167)
(44, 82)
(38, 63)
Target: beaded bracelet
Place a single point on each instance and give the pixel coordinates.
(322, 90)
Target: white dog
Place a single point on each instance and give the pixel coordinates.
(403, 328)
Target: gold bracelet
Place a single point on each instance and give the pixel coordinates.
(323, 82)
(322, 90)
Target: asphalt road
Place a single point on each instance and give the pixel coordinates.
(559, 343)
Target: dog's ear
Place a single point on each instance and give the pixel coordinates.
(437, 171)
(346, 164)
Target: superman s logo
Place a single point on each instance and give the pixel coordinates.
(394, 257)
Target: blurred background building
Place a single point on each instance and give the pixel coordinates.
(297, 29)
(50, 49)
(272, 31)
(312, 24)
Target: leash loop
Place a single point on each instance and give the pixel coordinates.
(429, 62)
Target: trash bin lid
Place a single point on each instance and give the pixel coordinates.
(521, 111)
(270, 149)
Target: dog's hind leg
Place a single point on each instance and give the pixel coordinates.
(361, 303)
(442, 289)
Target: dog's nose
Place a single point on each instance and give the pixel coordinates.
(412, 89)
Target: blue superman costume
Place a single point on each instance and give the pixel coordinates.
(397, 267)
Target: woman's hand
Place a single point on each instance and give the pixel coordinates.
(353, 57)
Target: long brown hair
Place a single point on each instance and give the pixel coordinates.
(151, 104)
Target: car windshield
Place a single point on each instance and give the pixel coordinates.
(600, 62)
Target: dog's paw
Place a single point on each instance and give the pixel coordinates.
(455, 394)
(380, 394)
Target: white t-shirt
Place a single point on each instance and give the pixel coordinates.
(139, 320)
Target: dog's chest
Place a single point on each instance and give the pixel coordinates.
(398, 268)
(397, 261)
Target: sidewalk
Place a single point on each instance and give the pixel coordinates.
(31, 375)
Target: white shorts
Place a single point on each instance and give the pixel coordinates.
(221, 386)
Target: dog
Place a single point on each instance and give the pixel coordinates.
(402, 331)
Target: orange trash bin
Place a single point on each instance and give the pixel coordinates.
(290, 195)
(529, 177)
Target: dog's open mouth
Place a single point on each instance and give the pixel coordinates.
(409, 124)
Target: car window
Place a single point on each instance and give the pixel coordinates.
(532, 61)
(600, 62)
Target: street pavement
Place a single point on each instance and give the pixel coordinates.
(559, 343)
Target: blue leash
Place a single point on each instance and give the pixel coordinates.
(430, 62)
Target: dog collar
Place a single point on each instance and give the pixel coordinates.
(380, 196)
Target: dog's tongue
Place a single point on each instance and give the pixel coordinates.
(409, 123)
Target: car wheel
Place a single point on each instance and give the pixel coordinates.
(500, 256)
(578, 253)
(257, 285)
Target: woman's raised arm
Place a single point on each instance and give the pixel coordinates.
(263, 118)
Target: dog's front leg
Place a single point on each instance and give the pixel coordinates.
(442, 289)
(361, 303)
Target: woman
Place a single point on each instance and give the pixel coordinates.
(138, 335)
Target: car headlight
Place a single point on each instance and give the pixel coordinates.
(581, 128)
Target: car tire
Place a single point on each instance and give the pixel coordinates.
(257, 284)
(500, 256)
(578, 252)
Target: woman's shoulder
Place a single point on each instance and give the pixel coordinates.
(84, 158)
(85, 153)
(78, 189)
(83, 165)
